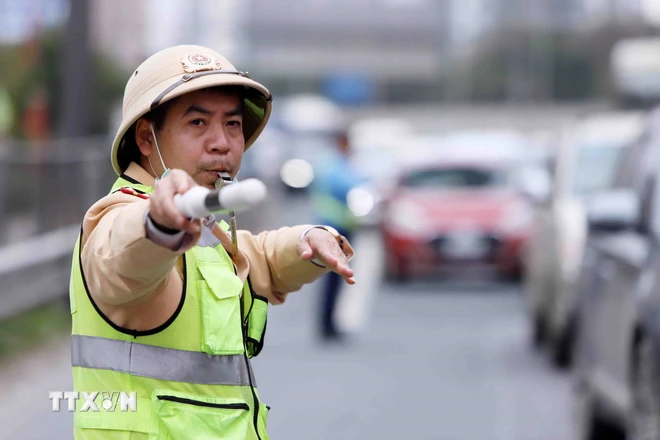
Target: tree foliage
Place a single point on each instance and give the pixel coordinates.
(36, 66)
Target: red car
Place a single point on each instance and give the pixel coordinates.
(452, 215)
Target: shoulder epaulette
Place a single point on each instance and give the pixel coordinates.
(133, 192)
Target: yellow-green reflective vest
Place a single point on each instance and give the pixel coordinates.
(191, 376)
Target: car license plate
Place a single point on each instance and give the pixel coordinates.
(464, 246)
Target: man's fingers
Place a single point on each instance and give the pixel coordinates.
(346, 272)
(330, 260)
(163, 209)
(328, 252)
(180, 221)
(339, 265)
(305, 250)
(192, 226)
(183, 183)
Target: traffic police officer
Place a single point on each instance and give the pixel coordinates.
(165, 306)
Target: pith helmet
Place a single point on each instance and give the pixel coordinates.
(182, 69)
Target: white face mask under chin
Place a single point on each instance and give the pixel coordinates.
(167, 170)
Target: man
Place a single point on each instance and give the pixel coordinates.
(163, 305)
(330, 201)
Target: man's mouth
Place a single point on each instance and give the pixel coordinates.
(219, 171)
(220, 177)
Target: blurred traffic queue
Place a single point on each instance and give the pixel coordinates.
(616, 357)
(591, 271)
(585, 163)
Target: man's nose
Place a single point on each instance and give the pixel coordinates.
(218, 142)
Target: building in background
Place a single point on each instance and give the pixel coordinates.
(131, 30)
(212, 23)
(398, 45)
(119, 28)
(357, 50)
(600, 12)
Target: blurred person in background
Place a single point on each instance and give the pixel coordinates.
(167, 306)
(330, 191)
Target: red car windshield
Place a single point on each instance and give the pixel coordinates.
(455, 178)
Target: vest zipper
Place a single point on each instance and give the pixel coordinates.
(244, 328)
(243, 406)
(254, 396)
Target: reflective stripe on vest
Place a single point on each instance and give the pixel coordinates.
(158, 362)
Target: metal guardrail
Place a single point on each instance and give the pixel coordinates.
(36, 271)
(45, 190)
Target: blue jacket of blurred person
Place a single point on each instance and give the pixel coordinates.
(335, 178)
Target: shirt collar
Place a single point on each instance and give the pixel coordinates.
(136, 172)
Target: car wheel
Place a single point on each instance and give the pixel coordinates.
(561, 345)
(512, 276)
(645, 418)
(399, 275)
(396, 270)
(589, 425)
(539, 330)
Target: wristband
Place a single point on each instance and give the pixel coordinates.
(341, 240)
(161, 228)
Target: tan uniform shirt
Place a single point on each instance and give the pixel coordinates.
(138, 284)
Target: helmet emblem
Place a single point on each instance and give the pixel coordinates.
(199, 61)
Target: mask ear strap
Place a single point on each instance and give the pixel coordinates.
(152, 167)
(167, 170)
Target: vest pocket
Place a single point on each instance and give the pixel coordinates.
(256, 326)
(141, 420)
(220, 291)
(182, 416)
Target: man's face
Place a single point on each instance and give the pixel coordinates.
(202, 135)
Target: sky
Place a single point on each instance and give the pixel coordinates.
(18, 19)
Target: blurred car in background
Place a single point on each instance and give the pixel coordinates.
(588, 156)
(450, 212)
(617, 359)
(500, 145)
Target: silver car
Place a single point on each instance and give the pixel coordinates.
(586, 162)
(617, 356)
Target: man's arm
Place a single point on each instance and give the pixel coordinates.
(276, 265)
(120, 263)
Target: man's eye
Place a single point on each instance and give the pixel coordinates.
(234, 123)
(197, 122)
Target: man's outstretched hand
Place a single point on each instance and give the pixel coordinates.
(321, 246)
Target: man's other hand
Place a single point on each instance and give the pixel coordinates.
(321, 246)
